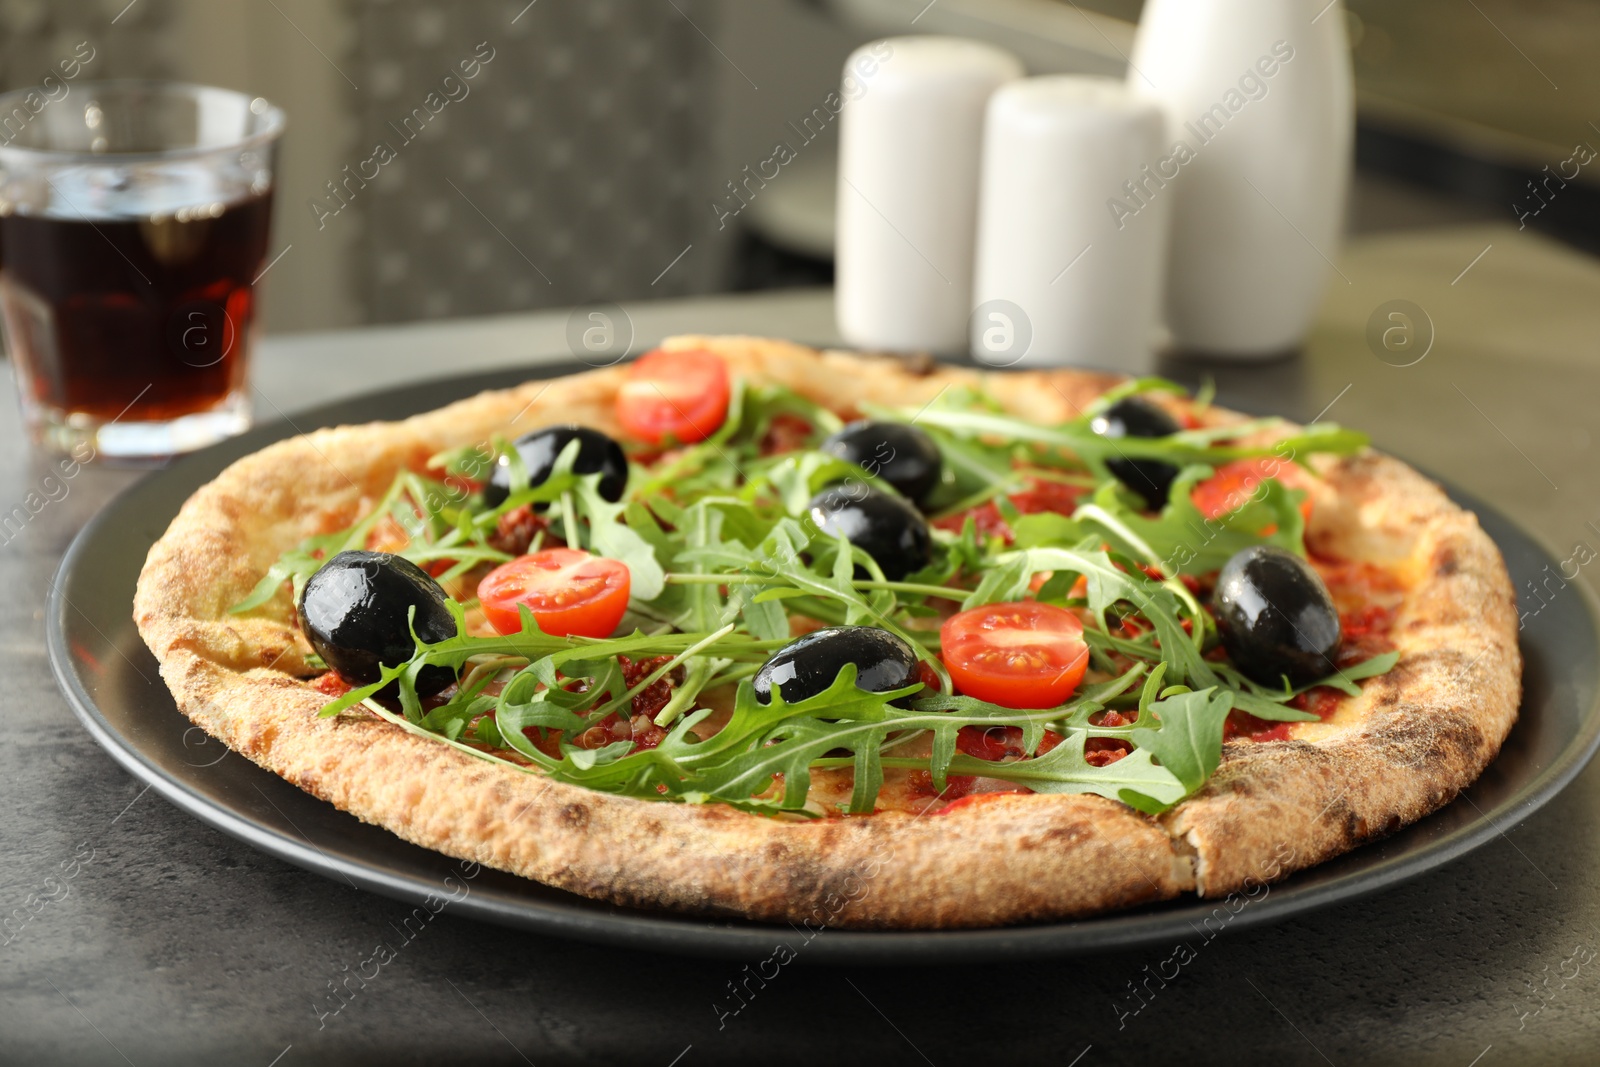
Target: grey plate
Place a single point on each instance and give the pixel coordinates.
(111, 680)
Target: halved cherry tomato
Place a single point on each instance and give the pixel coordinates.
(1019, 655)
(1228, 489)
(1233, 484)
(571, 593)
(679, 394)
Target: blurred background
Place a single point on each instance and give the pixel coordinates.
(591, 160)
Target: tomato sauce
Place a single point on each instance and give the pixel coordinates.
(387, 535)
(920, 784)
(331, 684)
(992, 743)
(516, 529)
(1237, 483)
(637, 726)
(972, 800)
(787, 433)
(650, 700)
(1040, 496)
(1104, 751)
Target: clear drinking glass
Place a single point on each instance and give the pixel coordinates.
(134, 222)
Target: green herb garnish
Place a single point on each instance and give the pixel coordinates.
(722, 555)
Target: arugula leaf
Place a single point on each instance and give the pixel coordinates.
(1107, 585)
(764, 403)
(1047, 528)
(671, 603)
(971, 471)
(295, 565)
(1064, 769)
(1181, 540)
(1005, 581)
(1369, 668)
(789, 739)
(1131, 387)
(1183, 449)
(302, 561)
(799, 476)
(609, 536)
(1272, 705)
(532, 646)
(1188, 739)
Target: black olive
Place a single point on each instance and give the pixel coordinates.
(1276, 617)
(883, 526)
(597, 454)
(810, 664)
(354, 611)
(897, 452)
(1132, 417)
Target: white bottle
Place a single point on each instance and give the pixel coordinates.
(1061, 279)
(909, 150)
(1259, 100)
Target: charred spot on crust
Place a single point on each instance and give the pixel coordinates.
(1239, 785)
(1059, 837)
(1443, 738)
(1355, 827)
(1067, 835)
(1351, 829)
(1340, 813)
(1357, 831)
(1387, 697)
(1445, 562)
(1412, 673)
(575, 816)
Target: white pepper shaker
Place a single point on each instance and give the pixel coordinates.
(909, 149)
(1062, 278)
(1259, 97)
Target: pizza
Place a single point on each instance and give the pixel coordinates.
(744, 628)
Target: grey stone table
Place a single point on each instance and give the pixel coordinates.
(165, 941)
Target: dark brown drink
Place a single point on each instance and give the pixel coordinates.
(144, 318)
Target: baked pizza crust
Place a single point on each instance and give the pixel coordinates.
(1406, 746)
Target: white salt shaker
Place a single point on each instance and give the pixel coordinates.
(1259, 99)
(1063, 277)
(909, 142)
